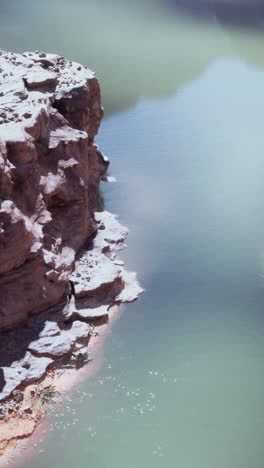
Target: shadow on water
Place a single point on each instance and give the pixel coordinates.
(248, 13)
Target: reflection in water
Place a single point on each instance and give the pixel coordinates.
(182, 382)
(137, 48)
(236, 12)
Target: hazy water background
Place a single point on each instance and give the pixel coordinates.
(182, 381)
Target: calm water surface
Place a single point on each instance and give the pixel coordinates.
(182, 381)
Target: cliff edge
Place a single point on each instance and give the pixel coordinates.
(59, 271)
(50, 171)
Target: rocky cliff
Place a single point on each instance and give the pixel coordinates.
(58, 268)
(50, 170)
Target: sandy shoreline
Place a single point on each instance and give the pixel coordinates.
(20, 447)
(62, 281)
(102, 286)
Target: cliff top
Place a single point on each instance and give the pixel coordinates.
(33, 81)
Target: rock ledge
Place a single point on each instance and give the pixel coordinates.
(59, 271)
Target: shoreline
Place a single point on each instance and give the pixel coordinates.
(61, 279)
(17, 433)
(65, 384)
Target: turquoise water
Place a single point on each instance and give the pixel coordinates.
(181, 383)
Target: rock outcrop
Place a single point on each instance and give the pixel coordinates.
(59, 271)
(50, 171)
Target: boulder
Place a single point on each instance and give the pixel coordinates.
(53, 346)
(132, 289)
(97, 277)
(79, 330)
(12, 377)
(35, 367)
(111, 234)
(91, 315)
(50, 329)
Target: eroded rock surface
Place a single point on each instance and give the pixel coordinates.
(59, 270)
(50, 170)
(27, 370)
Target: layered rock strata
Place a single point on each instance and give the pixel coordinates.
(50, 170)
(59, 274)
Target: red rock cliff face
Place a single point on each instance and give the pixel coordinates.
(50, 171)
